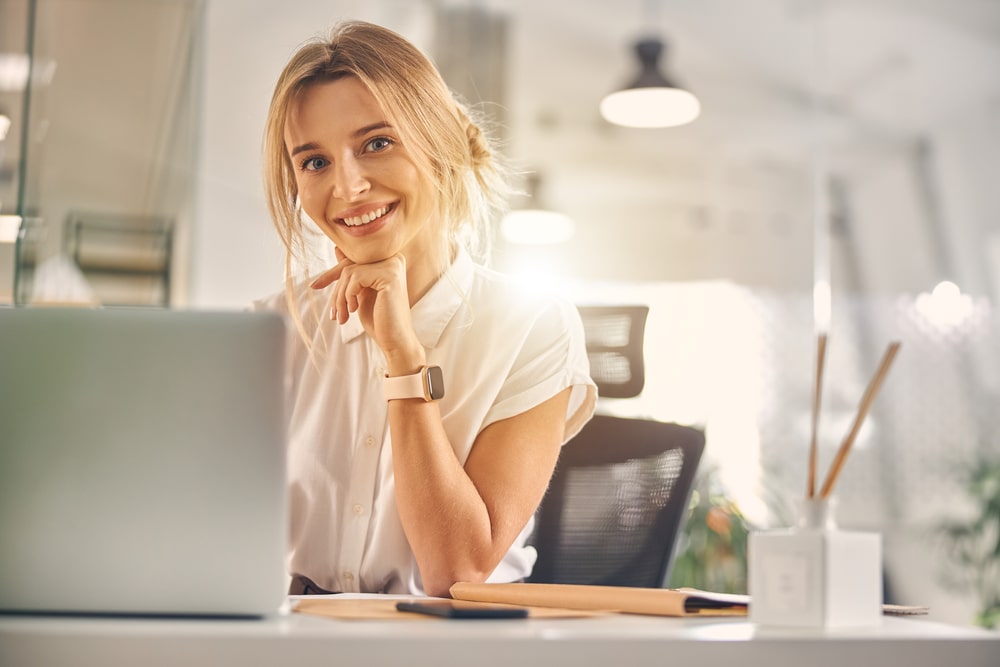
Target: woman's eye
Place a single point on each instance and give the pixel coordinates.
(314, 163)
(378, 144)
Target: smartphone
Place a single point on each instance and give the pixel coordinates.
(452, 609)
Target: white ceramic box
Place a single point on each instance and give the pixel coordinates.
(815, 576)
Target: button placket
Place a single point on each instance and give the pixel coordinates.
(360, 501)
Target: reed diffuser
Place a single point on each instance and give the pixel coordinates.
(814, 574)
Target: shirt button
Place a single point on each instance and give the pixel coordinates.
(358, 509)
(370, 441)
(348, 575)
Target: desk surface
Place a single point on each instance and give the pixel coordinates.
(606, 640)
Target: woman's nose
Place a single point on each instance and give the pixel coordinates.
(349, 180)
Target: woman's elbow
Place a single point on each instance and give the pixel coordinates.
(439, 584)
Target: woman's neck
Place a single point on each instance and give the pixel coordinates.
(423, 273)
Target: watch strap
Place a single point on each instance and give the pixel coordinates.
(426, 384)
(404, 386)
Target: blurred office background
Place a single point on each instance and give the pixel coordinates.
(848, 142)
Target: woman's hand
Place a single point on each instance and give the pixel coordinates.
(377, 292)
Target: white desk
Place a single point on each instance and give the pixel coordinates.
(609, 640)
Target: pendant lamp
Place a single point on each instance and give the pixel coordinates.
(651, 100)
(537, 224)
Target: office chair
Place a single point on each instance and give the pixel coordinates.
(615, 336)
(616, 503)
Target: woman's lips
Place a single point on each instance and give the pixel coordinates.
(366, 217)
(368, 222)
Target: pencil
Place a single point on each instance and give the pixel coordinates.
(817, 394)
(866, 403)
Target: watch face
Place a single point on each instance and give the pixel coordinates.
(435, 382)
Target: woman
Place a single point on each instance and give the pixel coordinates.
(395, 487)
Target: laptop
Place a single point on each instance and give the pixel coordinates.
(142, 462)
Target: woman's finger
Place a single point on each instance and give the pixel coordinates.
(338, 309)
(330, 275)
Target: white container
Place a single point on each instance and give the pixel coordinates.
(815, 575)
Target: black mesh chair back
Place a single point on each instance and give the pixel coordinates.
(615, 336)
(616, 503)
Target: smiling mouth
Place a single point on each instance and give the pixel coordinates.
(370, 216)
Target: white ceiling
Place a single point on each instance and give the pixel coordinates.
(888, 67)
(780, 82)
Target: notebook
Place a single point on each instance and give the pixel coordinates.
(142, 462)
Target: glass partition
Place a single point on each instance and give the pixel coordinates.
(100, 147)
(14, 70)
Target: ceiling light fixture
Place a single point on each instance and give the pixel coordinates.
(536, 225)
(10, 227)
(651, 100)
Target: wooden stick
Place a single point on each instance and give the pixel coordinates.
(866, 403)
(817, 396)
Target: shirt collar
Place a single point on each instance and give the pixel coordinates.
(435, 309)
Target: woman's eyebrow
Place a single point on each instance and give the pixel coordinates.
(381, 125)
(311, 146)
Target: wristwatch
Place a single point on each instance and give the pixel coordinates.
(427, 383)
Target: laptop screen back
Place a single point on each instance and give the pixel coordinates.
(142, 461)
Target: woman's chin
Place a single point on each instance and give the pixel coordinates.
(367, 255)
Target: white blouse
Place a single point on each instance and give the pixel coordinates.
(503, 349)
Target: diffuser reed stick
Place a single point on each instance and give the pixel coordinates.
(866, 403)
(817, 400)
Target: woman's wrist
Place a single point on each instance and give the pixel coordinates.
(405, 362)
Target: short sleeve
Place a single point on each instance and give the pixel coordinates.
(553, 357)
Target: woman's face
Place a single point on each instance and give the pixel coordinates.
(355, 179)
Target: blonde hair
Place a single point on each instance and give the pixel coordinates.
(457, 155)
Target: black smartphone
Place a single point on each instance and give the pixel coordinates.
(452, 609)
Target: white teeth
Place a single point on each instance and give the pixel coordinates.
(366, 218)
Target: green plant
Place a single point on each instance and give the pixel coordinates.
(712, 547)
(973, 544)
